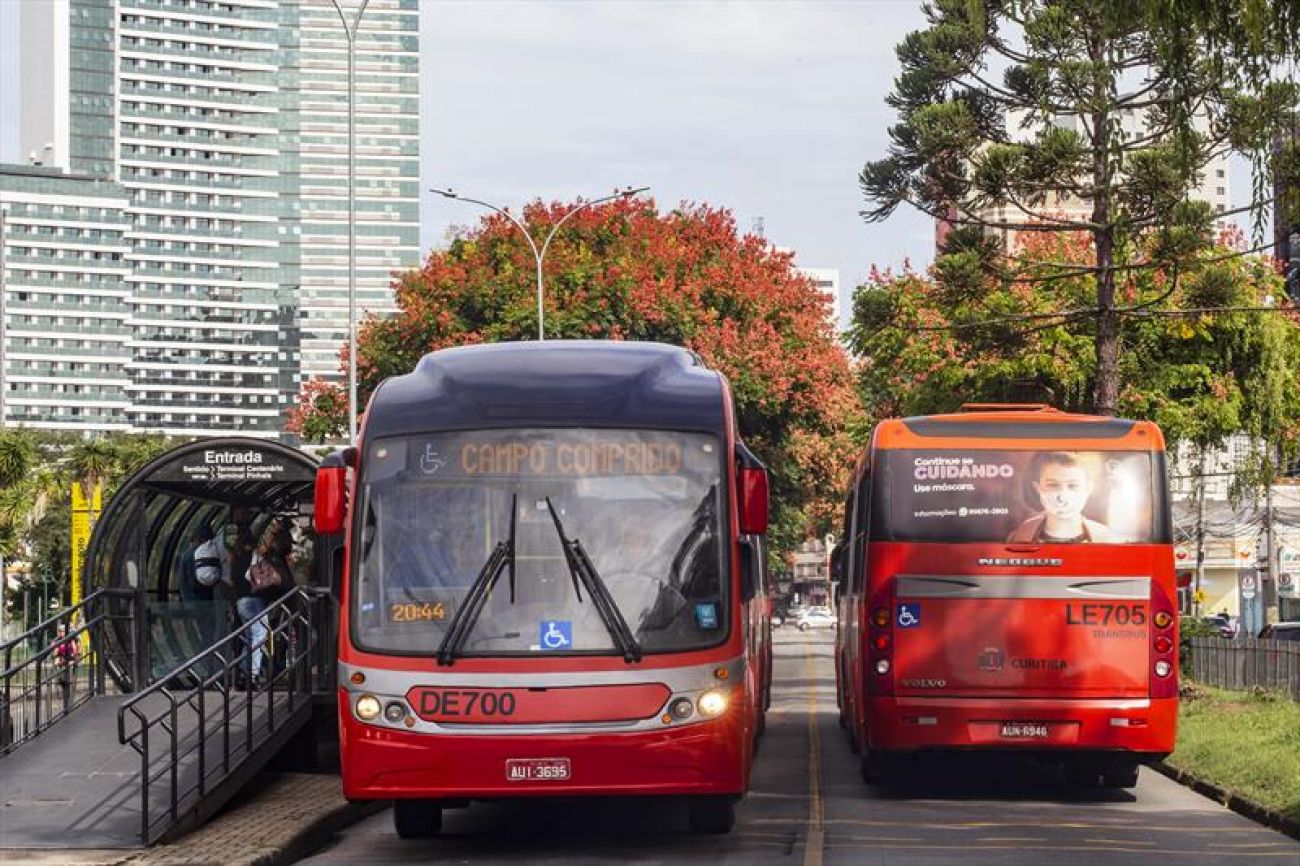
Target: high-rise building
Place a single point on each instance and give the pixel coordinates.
(387, 165)
(64, 301)
(225, 123)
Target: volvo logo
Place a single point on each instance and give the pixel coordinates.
(991, 659)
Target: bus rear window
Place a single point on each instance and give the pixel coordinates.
(1019, 497)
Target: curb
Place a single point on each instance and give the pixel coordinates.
(1241, 805)
(314, 835)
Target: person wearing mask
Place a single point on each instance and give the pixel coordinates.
(267, 579)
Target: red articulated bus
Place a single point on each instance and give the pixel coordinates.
(1009, 584)
(551, 583)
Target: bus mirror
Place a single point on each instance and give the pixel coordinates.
(753, 501)
(330, 508)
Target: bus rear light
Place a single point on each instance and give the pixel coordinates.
(1164, 668)
(1128, 723)
(880, 618)
(882, 666)
(1163, 619)
(1163, 644)
(880, 642)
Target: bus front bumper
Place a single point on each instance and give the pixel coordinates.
(706, 758)
(1145, 727)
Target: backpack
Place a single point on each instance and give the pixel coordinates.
(207, 563)
(262, 575)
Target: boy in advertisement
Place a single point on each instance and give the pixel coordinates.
(1062, 486)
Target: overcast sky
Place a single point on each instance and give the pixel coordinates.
(766, 108)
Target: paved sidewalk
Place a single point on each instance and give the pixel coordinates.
(285, 815)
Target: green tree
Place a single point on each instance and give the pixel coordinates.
(623, 270)
(1013, 112)
(1201, 376)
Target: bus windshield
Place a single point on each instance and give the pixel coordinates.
(646, 507)
(1019, 497)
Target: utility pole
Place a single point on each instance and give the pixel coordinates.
(4, 386)
(1271, 601)
(1200, 536)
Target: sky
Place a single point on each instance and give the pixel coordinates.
(769, 109)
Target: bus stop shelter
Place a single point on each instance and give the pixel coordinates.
(152, 522)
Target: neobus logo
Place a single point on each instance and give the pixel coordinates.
(1018, 560)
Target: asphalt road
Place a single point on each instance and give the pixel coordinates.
(808, 807)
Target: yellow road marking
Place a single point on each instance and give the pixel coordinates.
(815, 838)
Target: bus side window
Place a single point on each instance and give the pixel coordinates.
(861, 521)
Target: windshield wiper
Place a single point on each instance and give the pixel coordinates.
(501, 557)
(582, 569)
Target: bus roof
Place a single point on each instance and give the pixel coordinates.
(556, 383)
(1018, 426)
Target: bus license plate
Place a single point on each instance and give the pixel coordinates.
(1024, 731)
(537, 770)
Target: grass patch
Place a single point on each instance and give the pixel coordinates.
(1245, 742)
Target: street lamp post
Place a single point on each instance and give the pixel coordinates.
(539, 255)
(350, 31)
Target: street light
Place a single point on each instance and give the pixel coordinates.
(350, 31)
(540, 255)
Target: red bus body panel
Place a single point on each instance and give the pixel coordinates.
(704, 757)
(1053, 638)
(708, 758)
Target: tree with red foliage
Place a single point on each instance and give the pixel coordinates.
(624, 271)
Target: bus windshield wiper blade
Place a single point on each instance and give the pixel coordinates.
(582, 569)
(502, 556)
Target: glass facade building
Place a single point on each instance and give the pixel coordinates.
(64, 301)
(220, 128)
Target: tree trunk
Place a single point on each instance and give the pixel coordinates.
(1105, 399)
(1105, 395)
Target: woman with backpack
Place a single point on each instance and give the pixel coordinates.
(268, 578)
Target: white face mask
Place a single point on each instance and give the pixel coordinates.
(1063, 491)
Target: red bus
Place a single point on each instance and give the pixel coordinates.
(550, 583)
(1009, 584)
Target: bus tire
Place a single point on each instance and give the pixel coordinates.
(1081, 773)
(417, 819)
(712, 815)
(882, 768)
(1120, 774)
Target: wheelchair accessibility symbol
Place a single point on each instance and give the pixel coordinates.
(909, 615)
(430, 462)
(555, 634)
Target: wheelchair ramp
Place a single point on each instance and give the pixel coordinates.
(78, 786)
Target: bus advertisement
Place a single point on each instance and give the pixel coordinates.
(1010, 585)
(550, 583)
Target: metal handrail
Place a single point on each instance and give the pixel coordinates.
(35, 694)
(193, 707)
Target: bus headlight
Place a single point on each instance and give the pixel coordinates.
(368, 708)
(1163, 668)
(395, 712)
(681, 709)
(712, 704)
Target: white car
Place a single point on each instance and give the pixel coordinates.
(816, 617)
